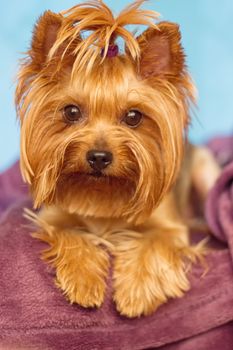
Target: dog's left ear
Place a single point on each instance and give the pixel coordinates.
(161, 52)
(44, 36)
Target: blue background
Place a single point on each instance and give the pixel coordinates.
(207, 31)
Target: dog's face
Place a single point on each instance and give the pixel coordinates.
(105, 142)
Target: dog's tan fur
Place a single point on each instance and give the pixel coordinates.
(130, 211)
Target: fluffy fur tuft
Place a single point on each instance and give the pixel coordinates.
(103, 29)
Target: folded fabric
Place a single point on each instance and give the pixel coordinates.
(35, 315)
(219, 207)
(12, 188)
(222, 148)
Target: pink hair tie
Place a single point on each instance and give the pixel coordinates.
(113, 51)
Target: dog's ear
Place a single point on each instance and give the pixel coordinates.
(44, 36)
(161, 51)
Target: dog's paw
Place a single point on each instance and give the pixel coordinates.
(82, 278)
(146, 278)
(82, 287)
(81, 267)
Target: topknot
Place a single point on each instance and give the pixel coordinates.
(96, 21)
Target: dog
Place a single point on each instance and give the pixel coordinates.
(103, 148)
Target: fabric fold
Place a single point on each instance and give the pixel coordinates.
(219, 207)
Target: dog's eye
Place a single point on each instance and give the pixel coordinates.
(132, 118)
(71, 114)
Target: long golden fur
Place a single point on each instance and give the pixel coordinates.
(130, 208)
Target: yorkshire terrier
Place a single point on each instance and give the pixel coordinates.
(103, 130)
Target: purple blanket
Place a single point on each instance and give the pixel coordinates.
(35, 315)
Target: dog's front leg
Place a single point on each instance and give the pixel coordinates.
(81, 265)
(150, 269)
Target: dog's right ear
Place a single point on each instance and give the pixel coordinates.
(44, 36)
(162, 54)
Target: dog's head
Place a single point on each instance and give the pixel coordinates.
(102, 132)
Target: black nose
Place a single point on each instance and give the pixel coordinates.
(99, 160)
